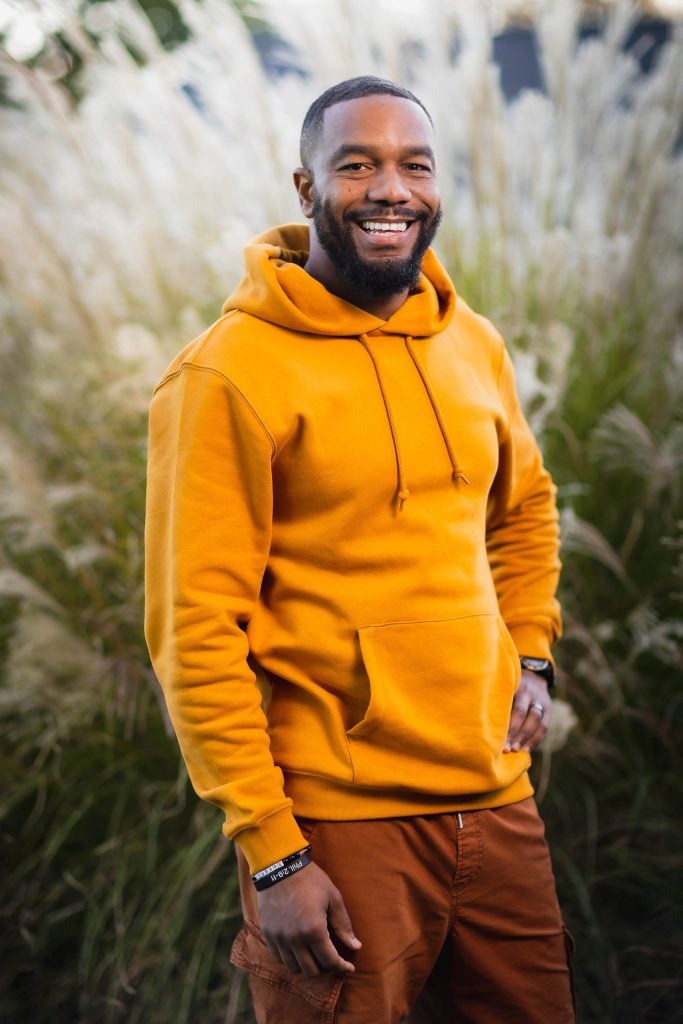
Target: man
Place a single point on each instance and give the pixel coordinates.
(346, 502)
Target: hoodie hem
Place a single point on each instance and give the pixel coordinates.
(327, 800)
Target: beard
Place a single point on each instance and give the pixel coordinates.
(380, 278)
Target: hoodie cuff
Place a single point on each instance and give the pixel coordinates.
(273, 838)
(531, 641)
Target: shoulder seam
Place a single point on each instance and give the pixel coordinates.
(233, 387)
(201, 339)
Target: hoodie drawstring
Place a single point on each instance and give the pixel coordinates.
(458, 472)
(403, 493)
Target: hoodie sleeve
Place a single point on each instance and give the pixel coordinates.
(523, 532)
(207, 536)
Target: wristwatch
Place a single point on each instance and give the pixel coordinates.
(541, 666)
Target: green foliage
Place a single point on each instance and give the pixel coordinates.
(119, 896)
(123, 898)
(613, 807)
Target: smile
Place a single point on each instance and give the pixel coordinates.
(384, 226)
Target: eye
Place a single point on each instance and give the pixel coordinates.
(420, 168)
(355, 166)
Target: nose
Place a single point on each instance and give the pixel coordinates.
(387, 186)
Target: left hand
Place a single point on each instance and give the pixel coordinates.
(527, 725)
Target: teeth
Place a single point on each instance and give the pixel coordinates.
(383, 225)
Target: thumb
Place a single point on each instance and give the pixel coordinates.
(341, 922)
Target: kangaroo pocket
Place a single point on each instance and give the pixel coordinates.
(439, 701)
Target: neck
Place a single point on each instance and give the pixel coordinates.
(322, 269)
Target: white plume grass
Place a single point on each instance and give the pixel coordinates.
(123, 218)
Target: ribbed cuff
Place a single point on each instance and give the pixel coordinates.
(531, 641)
(274, 838)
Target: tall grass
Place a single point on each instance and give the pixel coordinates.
(125, 217)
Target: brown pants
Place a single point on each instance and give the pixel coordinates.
(458, 918)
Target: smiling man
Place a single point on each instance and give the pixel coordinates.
(352, 556)
(371, 229)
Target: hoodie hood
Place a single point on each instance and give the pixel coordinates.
(276, 288)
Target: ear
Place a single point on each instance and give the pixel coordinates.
(303, 183)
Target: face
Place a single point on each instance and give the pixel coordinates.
(372, 194)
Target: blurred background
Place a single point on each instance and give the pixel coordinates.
(142, 144)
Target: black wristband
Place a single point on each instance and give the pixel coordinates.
(282, 869)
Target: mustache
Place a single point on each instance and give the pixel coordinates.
(401, 213)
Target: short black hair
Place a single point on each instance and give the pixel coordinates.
(350, 89)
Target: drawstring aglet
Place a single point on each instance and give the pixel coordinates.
(403, 496)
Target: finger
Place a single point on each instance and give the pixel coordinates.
(536, 738)
(328, 957)
(272, 949)
(341, 922)
(532, 732)
(308, 965)
(538, 735)
(517, 719)
(287, 957)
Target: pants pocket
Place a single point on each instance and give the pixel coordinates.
(308, 827)
(280, 997)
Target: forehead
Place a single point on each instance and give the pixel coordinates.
(381, 121)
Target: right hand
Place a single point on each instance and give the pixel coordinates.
(296, 915)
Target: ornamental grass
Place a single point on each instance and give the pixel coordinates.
(124, 204)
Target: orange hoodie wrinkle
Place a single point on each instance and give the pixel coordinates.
(322, 655)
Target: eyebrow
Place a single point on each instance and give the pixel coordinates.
(348, 149)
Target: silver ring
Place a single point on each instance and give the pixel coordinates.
(537, 707)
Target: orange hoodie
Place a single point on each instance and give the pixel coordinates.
(350, 537)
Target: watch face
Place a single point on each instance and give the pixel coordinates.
(535, 664)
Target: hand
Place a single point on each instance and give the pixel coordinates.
(295, 917)
(527, 725)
